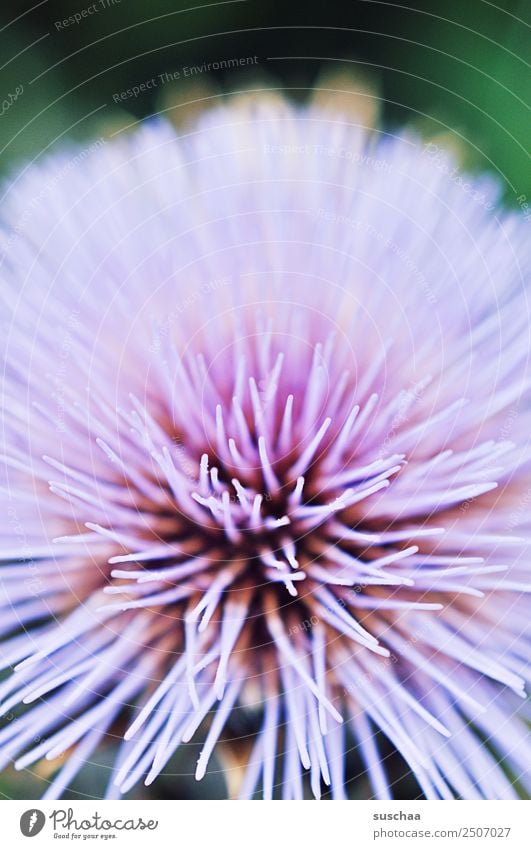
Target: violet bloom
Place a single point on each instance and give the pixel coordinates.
(266, 440)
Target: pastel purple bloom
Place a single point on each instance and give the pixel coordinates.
(266, 439)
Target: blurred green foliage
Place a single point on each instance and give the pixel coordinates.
(448, 67)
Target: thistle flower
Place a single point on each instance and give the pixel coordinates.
(266, 441)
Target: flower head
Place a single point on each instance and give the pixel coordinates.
(266, 440)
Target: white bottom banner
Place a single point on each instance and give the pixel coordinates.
(239, 825)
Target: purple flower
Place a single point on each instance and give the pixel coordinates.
(266, 439)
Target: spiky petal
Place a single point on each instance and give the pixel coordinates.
(266, 441)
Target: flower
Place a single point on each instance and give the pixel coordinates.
(266, 440)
